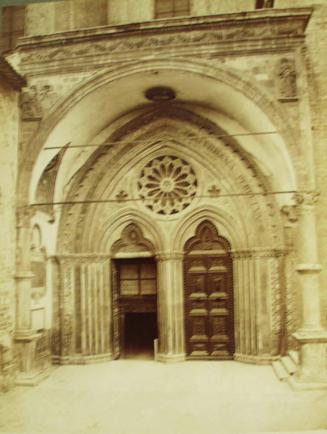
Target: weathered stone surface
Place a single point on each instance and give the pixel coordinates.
(9, 122)
(248, 118)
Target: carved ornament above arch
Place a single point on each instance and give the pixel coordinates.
(207, 239)
(132, 241)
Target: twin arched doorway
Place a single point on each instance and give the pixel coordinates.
(207, 293)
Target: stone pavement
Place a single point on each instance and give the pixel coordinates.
(145, 397)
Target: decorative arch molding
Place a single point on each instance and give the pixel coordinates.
(228, 227)
(206, 239)
(132, 241)
(112, 230)
(227, 75)
(93, 182)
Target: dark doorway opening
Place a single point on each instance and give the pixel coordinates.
(140, 331)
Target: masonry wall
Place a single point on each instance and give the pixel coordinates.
(73, 14)
(317, 79)
(8, 161)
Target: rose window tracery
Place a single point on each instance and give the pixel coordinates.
(167, 184)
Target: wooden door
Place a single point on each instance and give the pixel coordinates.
(209, 324)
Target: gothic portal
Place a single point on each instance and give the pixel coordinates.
(165, 200)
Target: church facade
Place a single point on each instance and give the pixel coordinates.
(163, 186)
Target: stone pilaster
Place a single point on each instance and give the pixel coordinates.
(311, 336)
(25, 337)
(171, 307)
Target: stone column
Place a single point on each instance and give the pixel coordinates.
(25, 337)
(311, 337)
(171, 307)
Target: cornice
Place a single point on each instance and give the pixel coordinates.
(255, 28)
(298, 16)
(10, 76)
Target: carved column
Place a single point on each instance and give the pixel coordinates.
(256, 305)
(311, 337)
(171, 307)
(85, 309)
(25, 337)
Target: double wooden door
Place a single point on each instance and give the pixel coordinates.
(209, 321)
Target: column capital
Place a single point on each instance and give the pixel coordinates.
(307, 198)
(169, 255)
(308, 268)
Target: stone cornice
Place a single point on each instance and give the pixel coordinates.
(10, 76)
(255, 28)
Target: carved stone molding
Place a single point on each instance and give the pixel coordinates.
(309, 198)
(117, 40)
(260, 253)
(132, 240)
(286, 79)
(169, 255)
(308, 268)
(35, 100)
(290, 213)
(77, 258)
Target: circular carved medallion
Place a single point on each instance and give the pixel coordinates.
(167, 184)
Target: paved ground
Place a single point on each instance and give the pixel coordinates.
(144, 397)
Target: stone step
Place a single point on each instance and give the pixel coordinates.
(294, 355)
(289, 365)
(280, 370)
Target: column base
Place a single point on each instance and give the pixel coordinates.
(170, 358)
(312, 370)
(79, 359)
(31, 378)
(255, 360)
(31, 369)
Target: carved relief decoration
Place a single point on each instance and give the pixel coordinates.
(207, 238)
(132, 240)
(178, 123)
(167, 184)
(36, 100)
(286, 74)
(308, 198)
(118, 45)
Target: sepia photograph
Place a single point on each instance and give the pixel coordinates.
(163, 217)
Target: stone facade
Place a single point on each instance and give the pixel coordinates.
(9, 133)
(234, 135)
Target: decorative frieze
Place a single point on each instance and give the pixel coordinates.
(309, 198)
(115, 41)
(36, 100)
(286, 79)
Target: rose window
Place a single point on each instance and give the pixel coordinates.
(167, 185)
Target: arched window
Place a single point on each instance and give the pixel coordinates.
(172, 8)
(264, 4)
(12, 26)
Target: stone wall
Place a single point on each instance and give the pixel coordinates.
(74, 14)
(317, 78)
(8, 160)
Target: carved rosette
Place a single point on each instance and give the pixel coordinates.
(167, 184)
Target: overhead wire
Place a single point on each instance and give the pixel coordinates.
(94, 145)
(211, 196)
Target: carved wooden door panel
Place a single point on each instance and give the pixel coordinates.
(209, 324)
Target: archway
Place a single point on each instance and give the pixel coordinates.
(232, 179)
(208, 289)
(134, 295)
